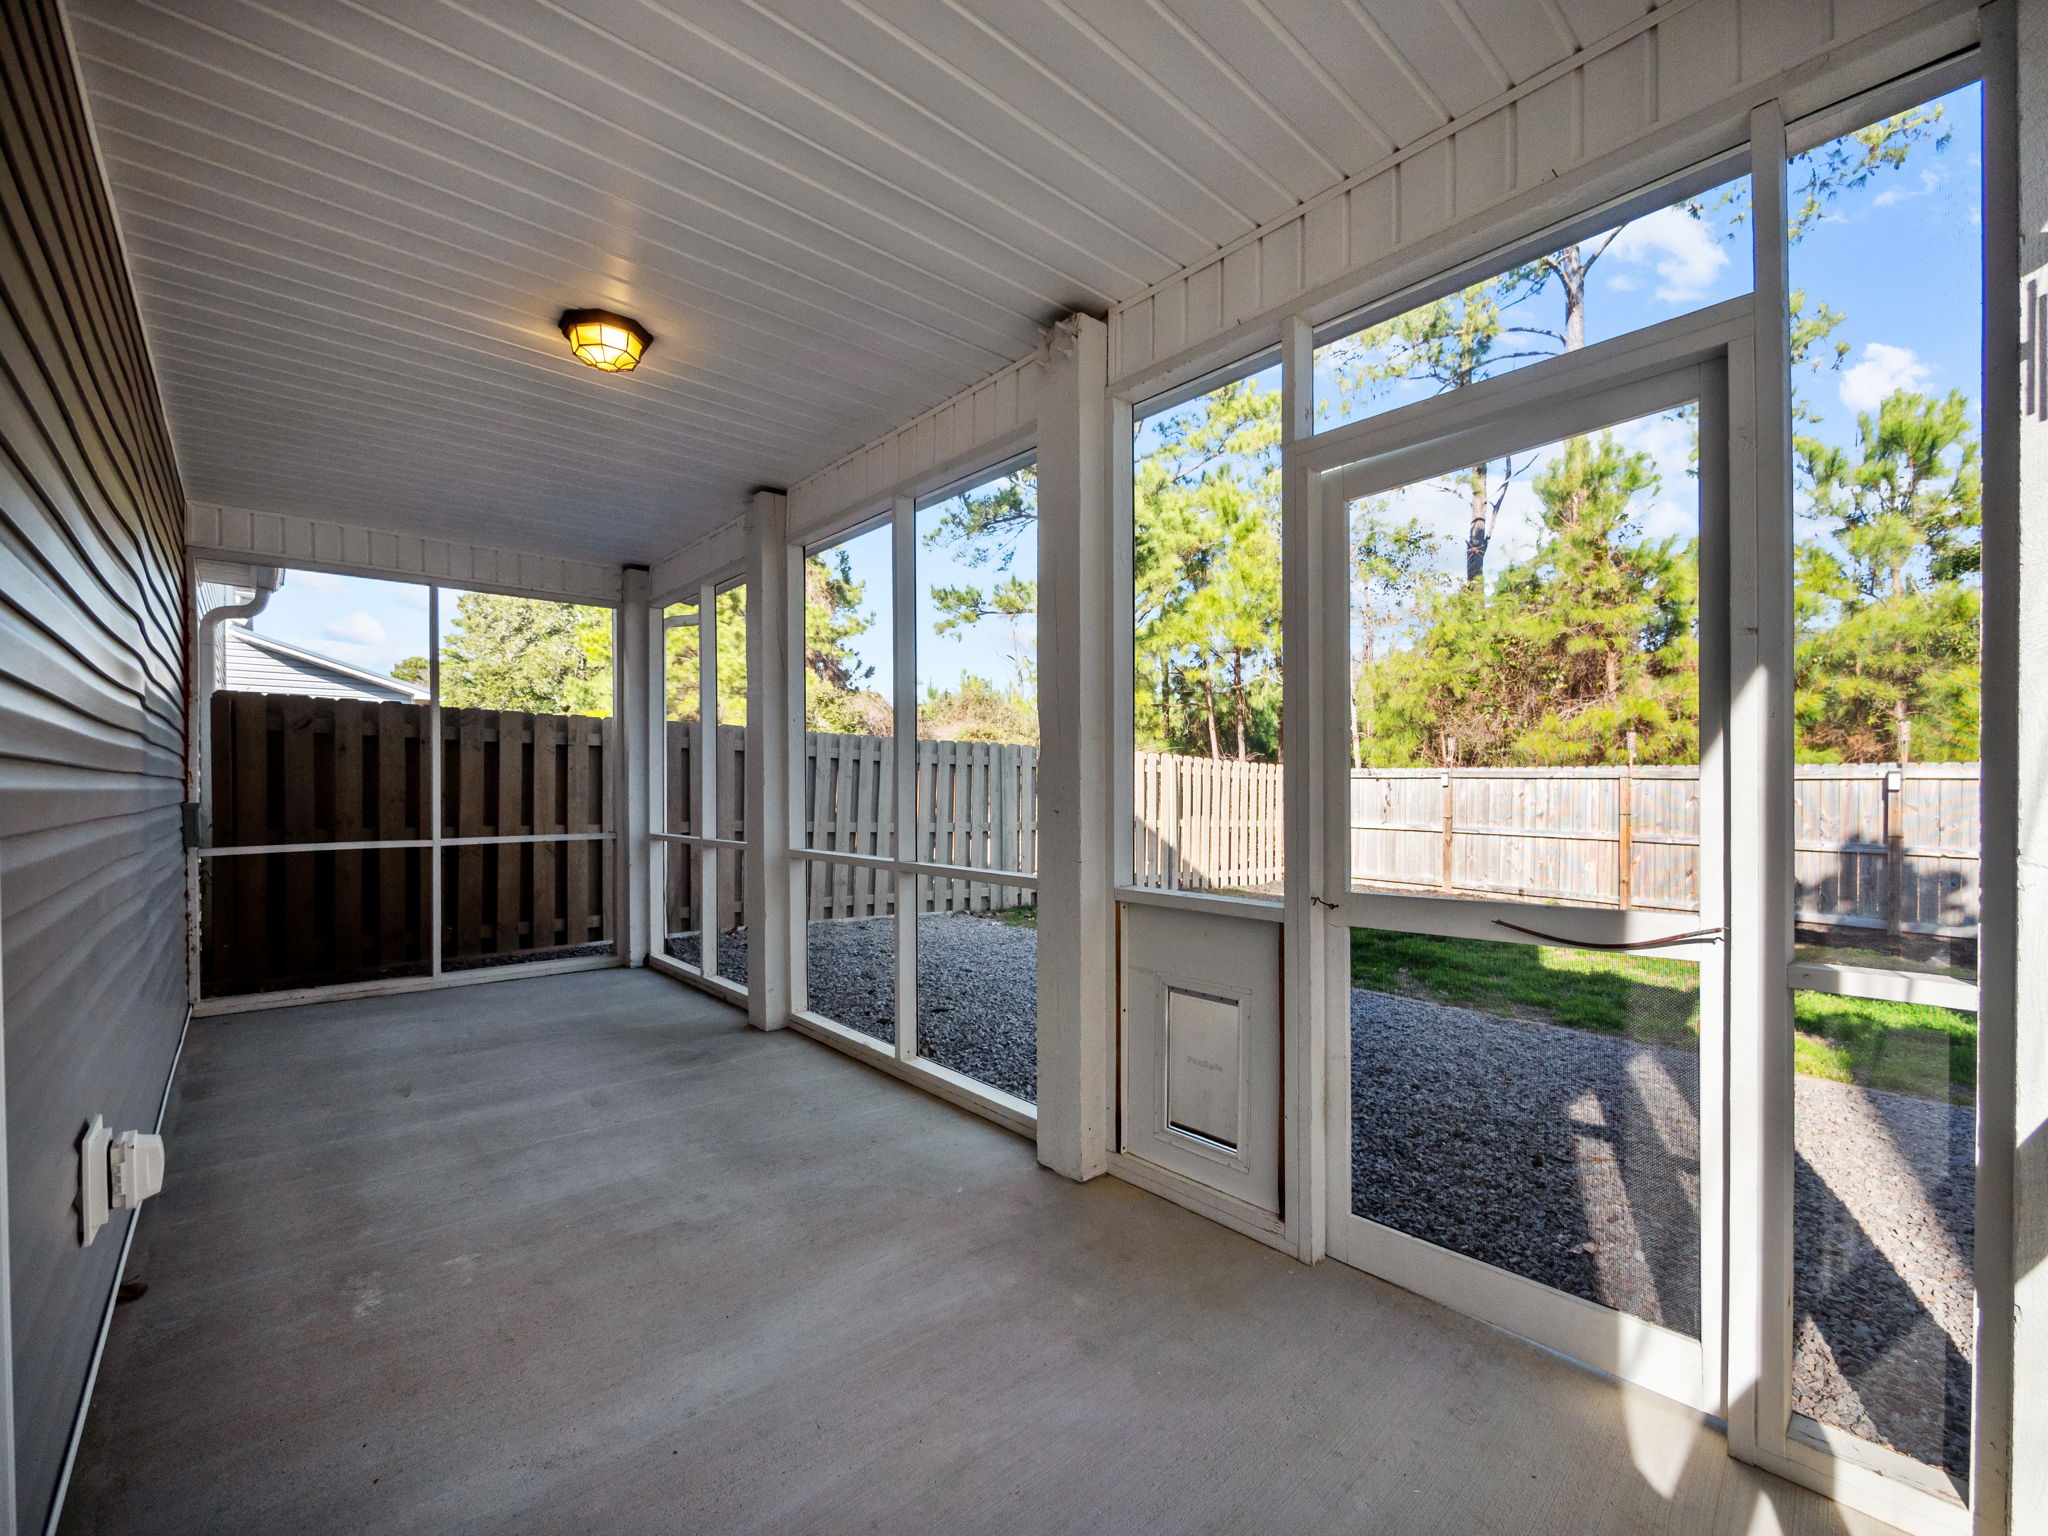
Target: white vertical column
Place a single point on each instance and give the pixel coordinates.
(1308, 757)
(903, 791)
(430, 813)
(774, 704)
(1076, 912)
(1759, 815)
(704, 814)
(637, 686)
(2009, 1462)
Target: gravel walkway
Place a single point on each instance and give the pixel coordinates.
(1563, 1155)
(977, 988)
(1573, 1158)
(1566, 1156)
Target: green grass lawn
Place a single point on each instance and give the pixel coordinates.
(1902, 1047)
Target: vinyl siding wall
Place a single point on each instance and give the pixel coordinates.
(92, 897)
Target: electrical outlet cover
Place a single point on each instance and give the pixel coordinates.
(92, 1180)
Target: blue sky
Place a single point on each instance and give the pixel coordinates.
(372, 624)
(999, 650)
(1897, 258)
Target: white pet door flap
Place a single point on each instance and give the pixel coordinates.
(1204, 1066)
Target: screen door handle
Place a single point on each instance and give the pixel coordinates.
(1694, 936)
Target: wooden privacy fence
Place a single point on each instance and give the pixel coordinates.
(1875, 846)
(287, 769)
(1616, 837)
(976, 805)
(682, 790)
(1203, 824)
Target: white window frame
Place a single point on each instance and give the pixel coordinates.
(1680, 362)
(711, 847)
(899, 1057)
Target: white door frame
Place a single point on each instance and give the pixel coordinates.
(1682, 362)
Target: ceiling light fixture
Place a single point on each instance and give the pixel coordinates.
(604, 340)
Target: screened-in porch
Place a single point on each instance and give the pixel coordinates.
(950, 767)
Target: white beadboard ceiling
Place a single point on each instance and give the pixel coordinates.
(352, 224)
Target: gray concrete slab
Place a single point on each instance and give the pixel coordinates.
(584, 1254)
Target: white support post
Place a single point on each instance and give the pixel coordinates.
(430, 813)
(704, 814)
(1759, 812)
(774, 680)
(2009, 1462)
(1076, 913)
(636, 674)
(903, 790)
(1305, 938)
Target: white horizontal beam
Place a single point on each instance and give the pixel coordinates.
(320, 544)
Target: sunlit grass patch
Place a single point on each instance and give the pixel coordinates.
(1900, 1047)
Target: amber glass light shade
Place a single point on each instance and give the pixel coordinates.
(604, 340)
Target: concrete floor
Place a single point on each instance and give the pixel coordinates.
(584, 1254)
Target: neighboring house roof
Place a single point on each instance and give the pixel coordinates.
(253, 663)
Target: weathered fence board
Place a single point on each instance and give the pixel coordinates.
(976, 805)
(1876, 846)
(290, 769)
(1205, 825)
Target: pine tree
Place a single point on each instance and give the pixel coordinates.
(1590, 638)
(1889, 612)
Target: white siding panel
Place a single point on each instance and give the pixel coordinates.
(1280, 272)
(288, 539)
(1241, 296)
(1483, 172)
(1373, 222)
(1547, 143)
(1424, 191)
(993, 418)
(1774, 34)
(1326, 250)
(1618, 103)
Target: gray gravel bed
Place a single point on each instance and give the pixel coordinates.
(1571, 1157)
(1885, 1193)
(977, 988)
(977, 999)
(732, 953)
(1558, 1154)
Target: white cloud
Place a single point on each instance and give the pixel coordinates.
(1882, 369)
(1678, 247)
(312, 581)
(412, 597)
(1931, 179)
(358, 628)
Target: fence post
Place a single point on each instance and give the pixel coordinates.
(1893, 791)
(1625, 810)
(1450, 808)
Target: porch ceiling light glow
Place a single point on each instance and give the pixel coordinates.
(605, 340)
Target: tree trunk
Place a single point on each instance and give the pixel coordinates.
(1243, 703)
(1570, 266)
(1209, 699)
(1480, 534)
